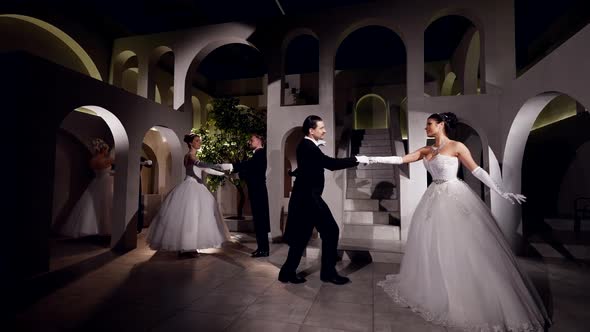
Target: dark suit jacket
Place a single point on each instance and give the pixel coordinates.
(253, 171)
(306, 206)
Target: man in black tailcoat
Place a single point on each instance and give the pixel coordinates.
(307, 209)
(253, 171)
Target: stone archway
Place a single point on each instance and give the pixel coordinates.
(371, 112)
(452, 55)
(47, 41)
(525, 121)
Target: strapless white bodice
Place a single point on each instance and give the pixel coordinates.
(442, 167)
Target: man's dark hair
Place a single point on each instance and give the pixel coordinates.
(260, 137)
(311, 122)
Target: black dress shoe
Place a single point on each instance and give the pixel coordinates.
(260, 253)
(335, 279)
(188, 254)
(294, 279)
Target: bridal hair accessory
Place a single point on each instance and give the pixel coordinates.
(98, 145)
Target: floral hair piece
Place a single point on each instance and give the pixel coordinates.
(98, 145)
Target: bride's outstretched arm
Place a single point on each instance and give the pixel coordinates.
(201, 164)
(396, 160)
(465, 156)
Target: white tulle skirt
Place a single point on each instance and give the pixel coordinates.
(92, 213)
(189, 219)
(458, 269)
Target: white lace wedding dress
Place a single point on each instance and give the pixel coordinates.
(189, 218)
(458, 269)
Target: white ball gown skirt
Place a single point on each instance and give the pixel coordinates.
(189, 219)
(458, 269)
(92, 213)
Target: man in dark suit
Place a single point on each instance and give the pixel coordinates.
(307, 209)
(253, 171)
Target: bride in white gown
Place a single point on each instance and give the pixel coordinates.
(189, 218)
(92, 213)
(458, 269)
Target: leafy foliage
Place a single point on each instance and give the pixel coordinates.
(225, 135)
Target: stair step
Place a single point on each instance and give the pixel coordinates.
(370, 173)
(361, 205)
(371, 244)
(376, 131)
(371, 218)
(371, 205)
(363, 250)
(375, 232)
(383, 150)
(376, 142)
(375, 166)
(371, 137)
(385, 193)
(354, 182)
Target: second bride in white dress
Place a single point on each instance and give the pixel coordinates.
(458, 269)
(189, 218)
(92, 214)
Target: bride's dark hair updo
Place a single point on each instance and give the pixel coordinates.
(449, 118)
(188, 138)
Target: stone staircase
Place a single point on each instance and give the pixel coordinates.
(371, 218)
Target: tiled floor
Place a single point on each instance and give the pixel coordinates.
(65, 252)
(226, 290)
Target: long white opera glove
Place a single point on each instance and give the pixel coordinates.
(484, 177)
(227, 167)
(362, 160)
(395, 160)
(213, 172)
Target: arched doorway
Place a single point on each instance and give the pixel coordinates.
(361, 78)
(371, 112)
(369, 88)
(300, 83)
(125, 71)
(234, 73)
(163, 150)
(558, 141)
(83, 199)
(452, 56)
(547, 141)
(161, 76)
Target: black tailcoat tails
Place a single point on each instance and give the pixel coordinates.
(307, 209)
(253, 171)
